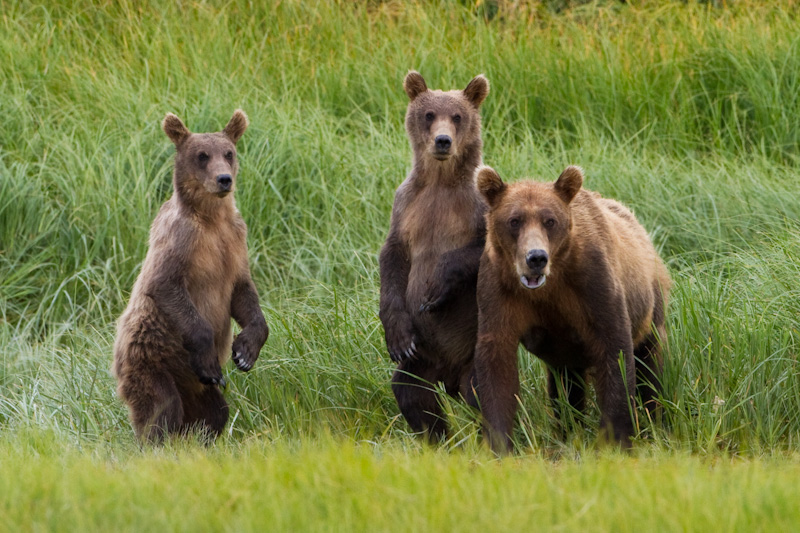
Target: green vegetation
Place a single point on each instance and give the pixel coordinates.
(687, 112)
(335, 486)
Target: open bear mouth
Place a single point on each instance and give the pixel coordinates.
(533, 282)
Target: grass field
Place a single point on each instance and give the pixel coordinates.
(687, 112)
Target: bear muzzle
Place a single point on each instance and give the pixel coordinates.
(224, 184)
(532, 282)
(536, 262)
(441, 147)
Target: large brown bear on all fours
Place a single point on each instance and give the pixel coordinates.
(575, 278)
(429, 263)
(176, 331)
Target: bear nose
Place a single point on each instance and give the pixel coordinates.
(536, 259)
(225, 181)
(443, 143)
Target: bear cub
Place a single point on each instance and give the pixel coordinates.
(176, 331)
(575, 278)
(429, 262)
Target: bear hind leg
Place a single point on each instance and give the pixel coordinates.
(572, 383)
(207, 412)
(413, 387)
(468, 385)
(156, 409)
(649, 366)
(649, 359)
(615, 386)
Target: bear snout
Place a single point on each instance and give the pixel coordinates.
(534, 274)
(225, 182)
(536, 260)
(442, 144)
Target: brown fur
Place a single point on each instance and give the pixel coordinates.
(604, 293)
(176, 331)
(429, 263)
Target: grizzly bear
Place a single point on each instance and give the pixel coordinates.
(575, 278)
(176, 331)
(429, 262)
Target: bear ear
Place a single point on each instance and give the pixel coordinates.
(477, 90)
(236, 126)
(414, 84)
(175, 129)
(569, 183)
(490, 185)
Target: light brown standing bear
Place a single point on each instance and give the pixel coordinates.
(429, 263)
(575, 278)
(176, 331)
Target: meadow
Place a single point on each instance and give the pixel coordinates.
(687, 112)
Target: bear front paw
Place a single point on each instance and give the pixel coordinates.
(244, 352)
(431, 305)
(402, 343)
(209, 373)
(436, 296)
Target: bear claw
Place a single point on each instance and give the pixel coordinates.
(241, 362)
(429, 306)
(410, 353)
(213, 381)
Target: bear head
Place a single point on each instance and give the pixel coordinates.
(529, 223)
(205, 163)
(444, 124)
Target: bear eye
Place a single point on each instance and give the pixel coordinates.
(202, 157)
(456, 118)
(514, 223)
(550, 223)
(429, 116)
(229, 155)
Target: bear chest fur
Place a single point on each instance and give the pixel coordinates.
(437, 220)
(218, 254)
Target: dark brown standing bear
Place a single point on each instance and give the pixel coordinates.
(575, 278)
(176, 332)
(429, 263)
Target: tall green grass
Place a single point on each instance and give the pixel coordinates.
(688, 113)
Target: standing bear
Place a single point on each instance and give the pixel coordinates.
(176, 331)
(429, 263)
(575, 278)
